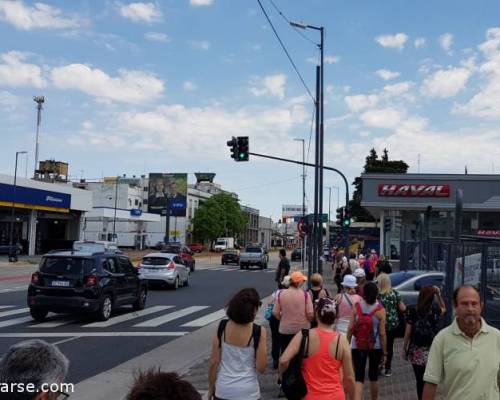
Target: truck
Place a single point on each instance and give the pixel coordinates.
(224, 243)
(254, 255)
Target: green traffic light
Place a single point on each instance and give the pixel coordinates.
(346, 222)
(242, 155)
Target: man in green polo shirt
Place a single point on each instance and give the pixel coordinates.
(464, 358)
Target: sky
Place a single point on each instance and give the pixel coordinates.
(160, 86)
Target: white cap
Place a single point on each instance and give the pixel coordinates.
(359, 273)
(349, 281)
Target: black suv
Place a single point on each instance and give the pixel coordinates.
(73, 281)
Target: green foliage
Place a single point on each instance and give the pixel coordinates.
(373, 165)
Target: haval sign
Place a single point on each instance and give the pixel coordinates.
(391, 190)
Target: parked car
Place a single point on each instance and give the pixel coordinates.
(409, 283)
(165, 269)
(157, 245)
(296, 254)
(196, 247)
(183, 251)
(75, 281)
(230, 256)
(253, 255)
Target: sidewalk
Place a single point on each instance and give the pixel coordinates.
(400, 386)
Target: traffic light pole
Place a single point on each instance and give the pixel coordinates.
(346, 232)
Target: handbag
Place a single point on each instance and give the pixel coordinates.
(269, 311)
(292, 382)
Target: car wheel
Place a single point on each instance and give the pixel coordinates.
(105, 308)
(140, 303)
(175, 285)
(186, 282)
(242, 266)
(38, 314)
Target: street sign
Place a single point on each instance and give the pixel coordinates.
(310, 218)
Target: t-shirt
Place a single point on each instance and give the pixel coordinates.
(418, 355)
(284, 265)
(291, 306)
(390, 301)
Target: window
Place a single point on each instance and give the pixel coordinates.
(155, 261)
(124, 265)
(109, 265)
(136, 202)
(432, 280)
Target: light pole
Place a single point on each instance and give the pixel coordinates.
(303, 198)
(12, 251)
(319, 143)
(116, 201)
(39, 100)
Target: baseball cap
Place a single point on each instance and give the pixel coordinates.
(297, 277)
(359, 273)
(286, 281)
(349, 281)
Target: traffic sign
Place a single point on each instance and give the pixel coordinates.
(301, 227)
(310, 218)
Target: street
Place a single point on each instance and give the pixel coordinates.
(168, 315)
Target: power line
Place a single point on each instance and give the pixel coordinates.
(286, 51)
(288, 22)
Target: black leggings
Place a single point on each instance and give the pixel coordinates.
(359, 358)
(391, 335)
(419, 377)
(285, 340)
(274, 324)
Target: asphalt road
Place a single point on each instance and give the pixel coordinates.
(94, 348)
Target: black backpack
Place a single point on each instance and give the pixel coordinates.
(255, 333)
(422, 332)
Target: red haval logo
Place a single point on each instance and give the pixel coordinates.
(392, 190)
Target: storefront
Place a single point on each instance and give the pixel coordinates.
(47, 216)
(400, 202)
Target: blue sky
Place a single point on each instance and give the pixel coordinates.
(138, 87)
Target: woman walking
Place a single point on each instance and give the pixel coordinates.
(294, 309)
(327, 352)
(275, 323)
(317, 292)
(367, 331)
(421, 326)
(346, 301)
(337, 270)
(238, 351)
(391, 300)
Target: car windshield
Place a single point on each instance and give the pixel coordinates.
(155, 261)
(67, 266)
(171, 249)
(399, 277)
(253, 250)
(220, 242)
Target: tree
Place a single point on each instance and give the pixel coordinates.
(373, 165)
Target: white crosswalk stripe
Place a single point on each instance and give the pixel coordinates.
(54, 323)
(13, 312)
(126, 317)
(2, 307)
(15, 321)
(155, 322)
(205, 320)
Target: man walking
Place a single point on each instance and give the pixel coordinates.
(283, 268)
(464, 358)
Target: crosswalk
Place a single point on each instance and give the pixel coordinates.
(145, 322)
(235, 268)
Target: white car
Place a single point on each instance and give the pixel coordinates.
(164, 268)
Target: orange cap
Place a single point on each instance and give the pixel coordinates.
(297, 277)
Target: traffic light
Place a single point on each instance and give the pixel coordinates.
(242, 142)
(346, 219)
(340, 215)
(233, 144)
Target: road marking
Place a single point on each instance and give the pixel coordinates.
(14, 312)
(87, 334)
(54, 323)
(14, 289)
(126, 317)
(2, 307)
(155, 322)
(65, 340)
(206, 319)
(15, 321)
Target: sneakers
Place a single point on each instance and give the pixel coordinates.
(388, 372)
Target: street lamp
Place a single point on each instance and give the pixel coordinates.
(116, 201)
(39, 100)
(318, 184)
(303, 199)
(12, 251)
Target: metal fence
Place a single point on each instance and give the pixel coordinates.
(472, 261)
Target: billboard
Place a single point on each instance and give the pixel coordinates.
(292, 210)
(167, 194)
(36, 197)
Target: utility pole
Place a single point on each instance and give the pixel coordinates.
(303, 198)
(12, 251)
(39, 100)
(116, 201)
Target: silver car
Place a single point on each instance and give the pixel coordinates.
(164, 268)
(409, 283)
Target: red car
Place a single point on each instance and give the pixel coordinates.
(184, 252)
(196, 247)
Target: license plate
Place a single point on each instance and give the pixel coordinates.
(60, 283)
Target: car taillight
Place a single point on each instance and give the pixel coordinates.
(35, 278)
(170, 265)
(91, 280)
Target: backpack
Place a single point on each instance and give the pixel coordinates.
(363, 328)
(255, 333)
(422, 332)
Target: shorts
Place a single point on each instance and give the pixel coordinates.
(359, 358)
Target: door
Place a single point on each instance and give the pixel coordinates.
(117, 279)
(131, 278)
(182, 268)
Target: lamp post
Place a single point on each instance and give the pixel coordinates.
(12, 251)
(39, 100)
(318, 184)
(303, 198)
(116, 201)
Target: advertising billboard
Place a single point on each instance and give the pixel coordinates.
(167, 194)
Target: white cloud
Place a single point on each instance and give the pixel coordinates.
(382, 118)
(396, 41)
(8, 101)
(87, 125)
(386, 74)
(419, 42)
(157, 37)
(486, 103)
(141, 12)
(129, 87)
(189, 86)
(15, 72)
(446, 41)
(364, 134)
(271, 85)
(39, 16)
(331, 59)
(397, 89)
(199, 44)
(445, 83)
(200, 3)
(361, 102)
